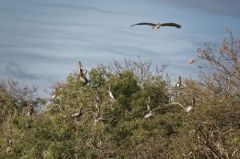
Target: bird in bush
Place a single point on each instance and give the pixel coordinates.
(30, 110)
(150, 113)
(148, 103)
(81, 74)
(187, 108)
(158, 25)
(179, 82)
(99, 118)
(10, 144)
(53, 96)
(83, 79)
(8, 149)
(80, 68)
(110, 93)
(78, 114)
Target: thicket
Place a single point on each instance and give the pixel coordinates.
(129, 110)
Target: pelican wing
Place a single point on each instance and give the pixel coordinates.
(171, 24)
(75, 115)
(188, 108)
(144, 23)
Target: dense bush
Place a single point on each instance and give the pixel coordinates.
(144, 117)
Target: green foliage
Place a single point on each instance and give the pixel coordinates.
(119, 128)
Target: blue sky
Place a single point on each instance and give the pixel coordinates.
(41, 41)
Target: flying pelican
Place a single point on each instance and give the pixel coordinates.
(110, 93)
(150, 113)
(158, 25)
(78, 114)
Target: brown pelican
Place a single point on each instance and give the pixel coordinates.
(78, 114)
(158, 25)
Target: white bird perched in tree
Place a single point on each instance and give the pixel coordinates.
(8, 149)
(150, 113)
(78, 114)
(179, 83)
(96, 104)
(10, 142)
(53, 96)
(99, 119)
(97, 101)
(30, 110)
(82, 76)
(83, 79)
(188, 108)
(148, 103)
(80, 68)
(110, 93)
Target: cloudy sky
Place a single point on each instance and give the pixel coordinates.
(41, 41)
